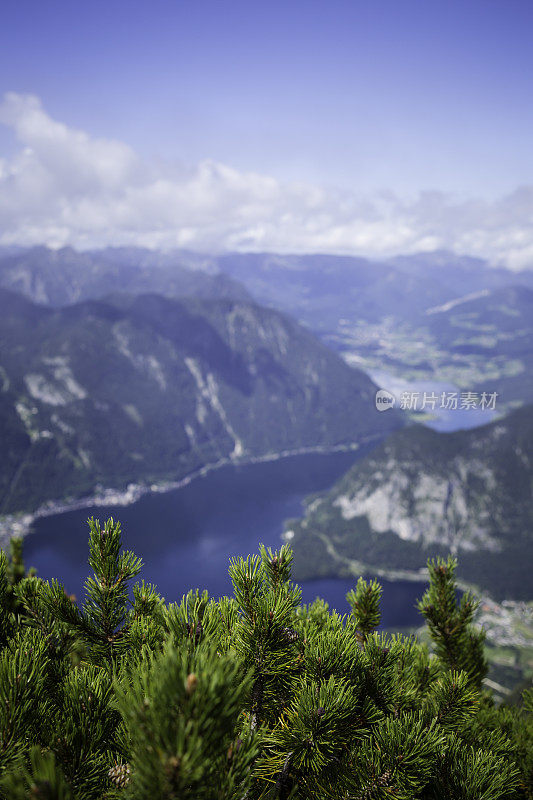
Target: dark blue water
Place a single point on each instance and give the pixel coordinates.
(186, 537)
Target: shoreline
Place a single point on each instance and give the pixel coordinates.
(19, 523)
(507, 623)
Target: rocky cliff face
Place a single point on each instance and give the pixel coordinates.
(422, 493)
(426, 508)
(147, 388)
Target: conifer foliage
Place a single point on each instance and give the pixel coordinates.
(249, 697)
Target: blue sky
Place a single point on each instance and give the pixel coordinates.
(365, 101)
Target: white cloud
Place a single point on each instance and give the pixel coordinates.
(65, 187)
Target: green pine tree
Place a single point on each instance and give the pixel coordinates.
(249, 697)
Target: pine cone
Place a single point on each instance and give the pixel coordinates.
(119, 775)
(290, 634)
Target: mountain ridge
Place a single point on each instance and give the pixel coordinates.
(148, 388)
(421, 493)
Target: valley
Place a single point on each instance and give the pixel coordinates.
(126, 374)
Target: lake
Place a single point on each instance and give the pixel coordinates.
(186, 536)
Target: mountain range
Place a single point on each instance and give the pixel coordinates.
(435, 316)
(147, 388)
(65, 276)
(128, 365)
